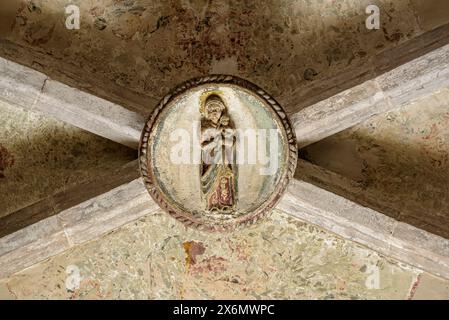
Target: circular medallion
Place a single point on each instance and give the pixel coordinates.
(217, 153)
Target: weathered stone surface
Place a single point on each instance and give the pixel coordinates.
(361, 224)
(401, 86)
(344, 186)
(129, 202)
(395, 88)
(26, 216)
(20, 85)
(32, 233)
(32, 90)
(90, 113)
(339, 112)
(107, 212)
(68, 198)
(417, 78)
(32, 252)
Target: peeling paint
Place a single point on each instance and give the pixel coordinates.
(192, 250)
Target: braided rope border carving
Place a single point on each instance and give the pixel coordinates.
(186, 218)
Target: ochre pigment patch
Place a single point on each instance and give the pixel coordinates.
(192, 250)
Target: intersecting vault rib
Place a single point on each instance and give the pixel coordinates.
(30, 89)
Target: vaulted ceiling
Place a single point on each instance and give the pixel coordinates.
(316, 58)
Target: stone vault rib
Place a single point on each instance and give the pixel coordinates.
(393, 86)
(370, 228)
(73, 226)
(393, 89)
(97, 216)
(31, 90)
(68, 198)
(375, 66)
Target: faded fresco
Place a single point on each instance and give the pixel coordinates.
(146, 47)
(133, 52)
(282, 258)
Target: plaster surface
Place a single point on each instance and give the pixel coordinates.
(136, 51)
(156, 257)
(401, 158)
(40, 156)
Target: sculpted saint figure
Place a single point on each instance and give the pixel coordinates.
(218, 170)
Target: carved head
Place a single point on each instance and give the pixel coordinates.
(214, 108)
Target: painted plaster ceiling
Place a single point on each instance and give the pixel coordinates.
(134, 52)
